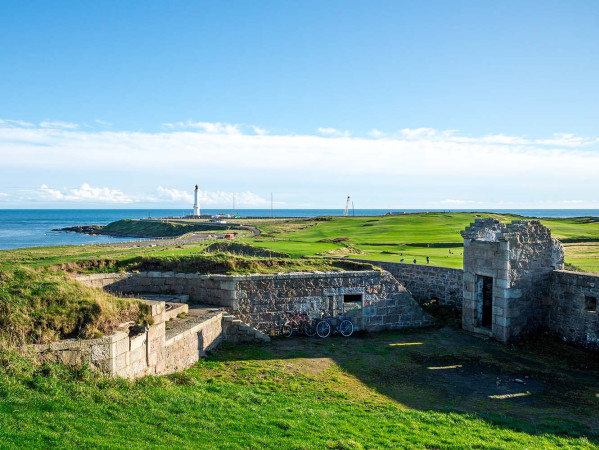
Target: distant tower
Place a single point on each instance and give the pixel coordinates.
(196, 205)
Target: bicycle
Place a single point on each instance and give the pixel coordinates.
(325, 326)
(298, 323)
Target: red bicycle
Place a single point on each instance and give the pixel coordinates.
(298, 324)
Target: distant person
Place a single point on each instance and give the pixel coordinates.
(427, 260)
(414, 260)
(401, 260)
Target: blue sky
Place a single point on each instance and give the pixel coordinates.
(397, 103)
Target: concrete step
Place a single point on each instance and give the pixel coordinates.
(236, 331)
(197, 315)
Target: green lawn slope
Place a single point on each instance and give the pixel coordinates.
(45, 306)
(155, 228)
(372, 391)
(415, 236)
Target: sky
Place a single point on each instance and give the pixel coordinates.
(400, 104)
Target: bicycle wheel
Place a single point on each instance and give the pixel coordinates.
(287, 329)
(310, 328)
(346, 328)
(323, 328)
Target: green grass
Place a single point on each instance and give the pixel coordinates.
(218, 263)
(155, 228)
(386, 238)
(377, 238)
(371, 391)
(45, 306)
(39, 257)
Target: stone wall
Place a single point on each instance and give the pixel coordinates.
(518, 259)
(210, 289)
(123, 354)
(151, 350)
(262, 299)
(571, 312)
(378, 301)
(186, 348)
(426, 282)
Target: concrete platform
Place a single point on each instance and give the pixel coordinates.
(195, 316)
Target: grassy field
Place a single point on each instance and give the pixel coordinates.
(45, 306)
(389, 238)
(433, 389)
(156, 228)
(393, 238)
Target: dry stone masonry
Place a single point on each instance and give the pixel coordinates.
(507, 276)
(373, 299)
(513, 285)
(426, 282)
(572, 308)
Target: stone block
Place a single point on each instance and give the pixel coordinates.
(122, 346)
(137, 341)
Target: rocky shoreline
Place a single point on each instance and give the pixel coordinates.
(86, 229)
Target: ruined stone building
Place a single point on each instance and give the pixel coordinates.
(512, 286)
(507, 275)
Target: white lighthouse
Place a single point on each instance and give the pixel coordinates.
(196, 205)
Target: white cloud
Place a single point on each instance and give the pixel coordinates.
(174, 194)
(59, 124)
(4, 195)
(417, 133)
(177, 150)
(103, 123)
(14, 123)
(207, 127)
(85, 193)
(242, 199)
(334, 132)
(376, 133)
(572, 201)
(412, 165)
(259, 131)
(213, 198)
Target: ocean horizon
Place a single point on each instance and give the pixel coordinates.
(33, 227)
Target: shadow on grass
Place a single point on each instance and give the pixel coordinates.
(541, 387)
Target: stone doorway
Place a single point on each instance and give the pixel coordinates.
(485, 301)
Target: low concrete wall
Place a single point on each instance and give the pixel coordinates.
(426, 282)
(185, 349)
(567, 315)
(118, 354)
(149, 352)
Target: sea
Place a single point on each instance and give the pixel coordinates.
(33, 227)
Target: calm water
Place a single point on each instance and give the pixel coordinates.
(31, 228)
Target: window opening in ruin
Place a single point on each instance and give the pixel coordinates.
(485, 300)
(352, 301)
(590, 304)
